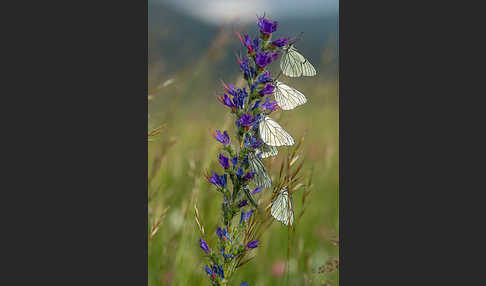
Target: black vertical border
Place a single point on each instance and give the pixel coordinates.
(82, 189)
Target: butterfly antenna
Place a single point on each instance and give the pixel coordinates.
(296, 39)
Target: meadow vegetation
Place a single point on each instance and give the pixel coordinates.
(183, 113)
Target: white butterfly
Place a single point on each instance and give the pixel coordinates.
(273, 134)
(267, 151)
(262, 178)
(293, 64)
(287, 97)
(283, 207)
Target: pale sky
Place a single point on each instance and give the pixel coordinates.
(245, 11)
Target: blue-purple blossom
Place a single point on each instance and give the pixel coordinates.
(248, 215)
(247, 120)
(280, 42)
(267, 90)
(218, 269)
(257, 190)
(239, 173)
(249, 176)
(264, 59)
(252, 46)
(247, 69)
(218, 181)
(245, 216)
(258, 117)
(266, 26)
(226, 101)
(224, 161)
(234, 161)
(226, 255)
(243, 203)
(264, 77)
(244, 284)
(239, 97)
(204, 246)
(208, 270)
(222, 137)
(253, 141)
(269, 105)
(222, 234)
(215, 270)
(253, 244)
(256, 105)
(219, 232)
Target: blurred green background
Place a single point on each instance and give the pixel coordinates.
(190, 51)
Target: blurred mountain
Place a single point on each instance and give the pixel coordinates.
(177, 40)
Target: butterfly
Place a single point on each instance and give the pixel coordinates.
(273, 134)
(293, 64)
(287, 97)
(266, 151)
(249, 196)
(262, 178)
(283, 207)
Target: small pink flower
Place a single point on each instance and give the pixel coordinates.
(278, 268)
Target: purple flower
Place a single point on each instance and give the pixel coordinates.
(267, 90)
(239, 97)
(257, 190)
(249, 176)
(248, 215)
(257, 104)
(228, 88)
(266, 26)
(275, 56)
(234, 161)
(218, 270)
(246, 119)
(204, 246)
(246, 41)
(258, 117)
(248, 70)
(224, 161)
(218, 181)
(219, 232)
(209, 271)
(243, 203)
(223, 138)
(253, 244)
(264, 59)
(269, 105)
(226, 101)
(226, 255)
(215, 270)
(253, 141)
(264, 77)
(280, 42)
(239, 173)
(252, 46)
(242, 216)
(244, 284)
(222, 234)
(256, 44)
